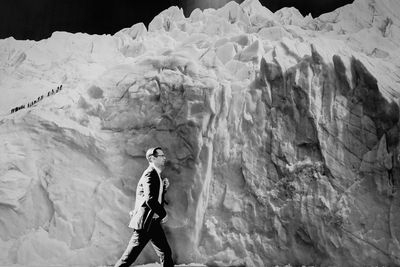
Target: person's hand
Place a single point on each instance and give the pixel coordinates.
(166, 183)
(165, 219)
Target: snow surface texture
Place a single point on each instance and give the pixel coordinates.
(282, 133)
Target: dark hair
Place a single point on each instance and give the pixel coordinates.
(152, 152)
(155, 151)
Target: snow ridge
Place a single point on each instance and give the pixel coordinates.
(281, 133)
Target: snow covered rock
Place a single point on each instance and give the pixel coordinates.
(282, 135)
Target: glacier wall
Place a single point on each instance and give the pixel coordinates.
(282, 134)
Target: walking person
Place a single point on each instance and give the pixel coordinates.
(149, 213)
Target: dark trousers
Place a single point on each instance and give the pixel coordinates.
(139, 240)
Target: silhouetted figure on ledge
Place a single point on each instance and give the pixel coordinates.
(30, 104)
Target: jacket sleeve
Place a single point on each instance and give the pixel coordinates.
(151, 191)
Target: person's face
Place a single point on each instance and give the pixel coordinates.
(160, 159)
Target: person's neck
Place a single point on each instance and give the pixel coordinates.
(155, 167)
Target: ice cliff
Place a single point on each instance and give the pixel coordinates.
(282, 134)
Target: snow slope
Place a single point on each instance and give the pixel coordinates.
(281, 131)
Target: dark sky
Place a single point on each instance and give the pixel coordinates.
(37, 19)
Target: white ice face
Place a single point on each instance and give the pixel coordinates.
(276, 153)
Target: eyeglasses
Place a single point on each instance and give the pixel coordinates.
(160, 155)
